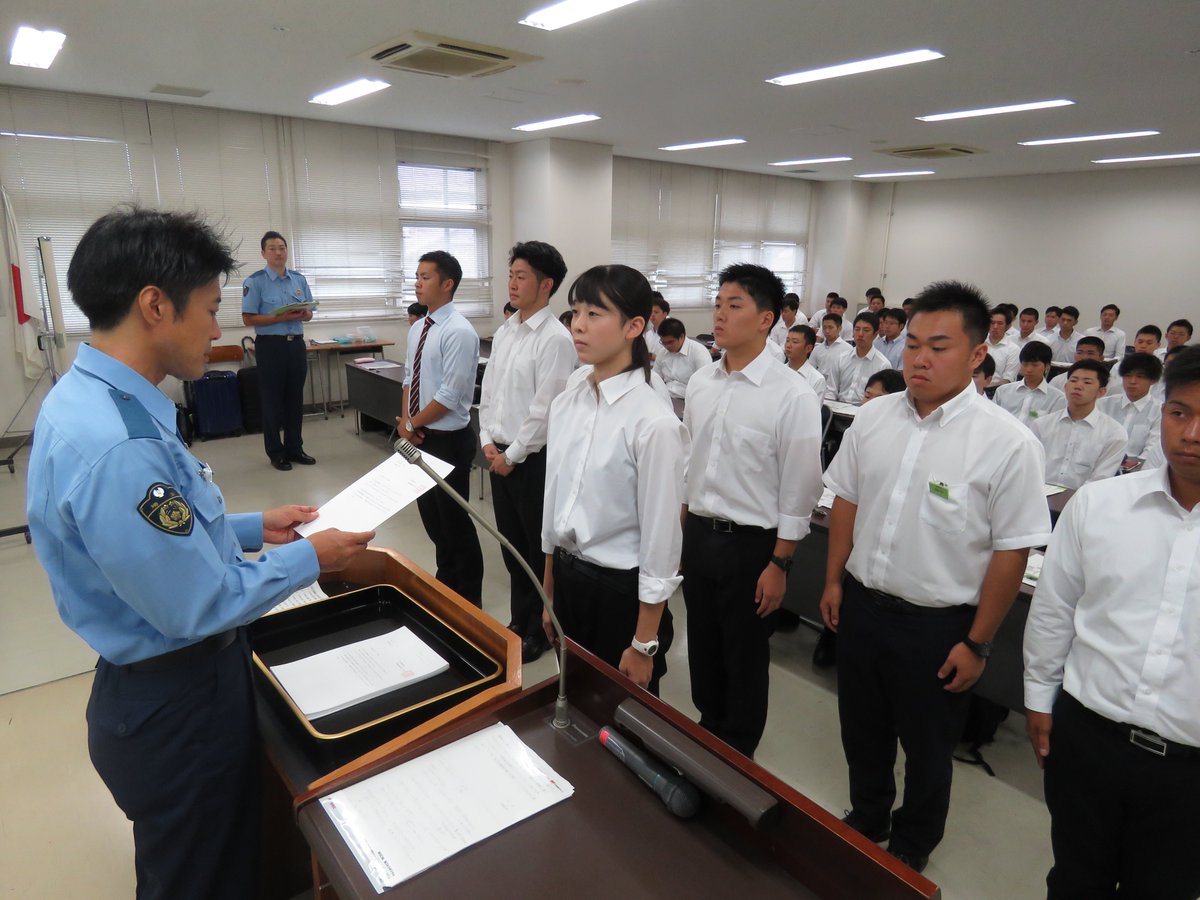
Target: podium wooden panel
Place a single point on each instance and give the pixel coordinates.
(614, 837)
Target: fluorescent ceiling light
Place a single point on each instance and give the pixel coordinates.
(1044, 142)
(703, 144)
(895, 174)
(35, 48)
(568, 12)
(812, 162)
(557, 123)
(1125, 159)
(995, 110)
(854, 68)
(351, 91)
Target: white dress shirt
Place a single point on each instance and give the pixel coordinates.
(449, 365)
(1114, 341)
(815, 379)
(653, 342)
(893, 350)
(1027, 403)
(615, 459)
(847, 378)
(848, 328)
(1064, 348)
(938, 496)
(1115, 620)
(1079, 451)
(529, 367)
(825, 355)
(1022, 341)
(1141, 419)
(756, 446)
(1007, 357)
(780, 329)
(676, 369)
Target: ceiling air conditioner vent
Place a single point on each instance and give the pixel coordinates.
(932, 151)
(431, 54)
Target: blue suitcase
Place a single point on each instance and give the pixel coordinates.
(216, 404)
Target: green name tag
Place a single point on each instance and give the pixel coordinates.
(938, 488)
(1033, 414)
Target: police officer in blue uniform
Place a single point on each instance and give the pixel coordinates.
(279, 348)
(147, 566)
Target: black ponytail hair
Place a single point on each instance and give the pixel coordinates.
(628, 292)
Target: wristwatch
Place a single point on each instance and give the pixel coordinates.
(646, 648)
(784, 562)
(982, 649)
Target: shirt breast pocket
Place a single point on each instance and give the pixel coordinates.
(944, 507)
(751, 449)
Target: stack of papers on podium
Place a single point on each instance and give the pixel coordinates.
(405, 820)
(345, 676)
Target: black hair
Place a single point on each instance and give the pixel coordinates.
(657, 299)
(1071, 311)
(566, 317)
(419, 309)
(878, 297)
(131, 248)
(1173, 352)
(1151, 329)
(962, 298)
(832, 316)
(763, 286)
(1182, 323)
(1090, 340)
(870, 318)
(898, 316)
(1030, 311)
(271, 236)
(892, 380)
(1037, 352)
(1145, 364)
(987, 366)
(873, 292)
(1001, 309)
(1113, 307)
(809, 334)
(510, 309)
(628, 292)
(1057, 310)
(839, 301)
(1012, 309)
(543, 258)
(1183, 370)
(907, 301)
(671, 328)
(1091, 365)
(447, 267)
(832, 294)
(791, 301)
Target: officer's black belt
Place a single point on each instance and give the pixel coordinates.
(188, 655)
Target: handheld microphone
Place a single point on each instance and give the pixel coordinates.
(562, 718)
(677, 793)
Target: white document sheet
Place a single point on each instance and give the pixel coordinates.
(377, 496)
(1033, 568)
(843, 409)
(338, 679)
(405, 820)
(302, 597)
(380, 364)
(1052, 489)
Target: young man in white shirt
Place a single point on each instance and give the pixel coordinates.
(1112, 674)
(1089, 347)
(938, 499)
(1067, 335)
(681, 357)
(753, 480)
(1082, 444)
(532, 357)
(1179, 333)
(848, 376)
(1050, 323)
(1005, 354)
(1027, 327)
(791, 316)
(839, 306)
(983, 374)
(1107, 331)
(890, 341)
(439, 385)
(875, 301)
(801, 341)
(1033, 395)
(1137, 410)
(826, 354)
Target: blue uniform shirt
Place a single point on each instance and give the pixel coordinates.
(449, 364)
(130, 528)
(264, 292)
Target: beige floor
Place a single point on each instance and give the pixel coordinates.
(62, 837)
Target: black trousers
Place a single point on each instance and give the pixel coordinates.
(282, 368)
(1123, 821)
(888, 689)
(517, 501)
(598, 608)
(178, 751)
(729, 650)
(449, 526)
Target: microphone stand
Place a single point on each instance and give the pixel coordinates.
(562, 717)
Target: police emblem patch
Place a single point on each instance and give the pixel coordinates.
(166, 510)
(245, 289)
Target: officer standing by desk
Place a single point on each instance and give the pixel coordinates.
(145, 564)
(279, 347)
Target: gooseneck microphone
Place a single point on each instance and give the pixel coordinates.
(676, 792)
(409, 451)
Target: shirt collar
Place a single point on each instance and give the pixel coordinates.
(1155, 484)
(1139, 405)
(536, 321)
(442, 314)
(948, 411)
(614, 388)
(755, 370)
(271, 273)
(1090, 418)
(1042, 388)
(118, 375)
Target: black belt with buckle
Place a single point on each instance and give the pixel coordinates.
(624, 581)
(1142, 738)
(892, 603)
(724, 526)
(192, 653)
(282, 337)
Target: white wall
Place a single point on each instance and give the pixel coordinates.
(1128, 237)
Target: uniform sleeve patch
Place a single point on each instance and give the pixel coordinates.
(245, 288)
(166, 510)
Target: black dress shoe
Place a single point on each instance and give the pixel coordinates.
(303, 458)
(533, 647)
(825, 653)
(876, 835)
(281, 463)
(912, 860)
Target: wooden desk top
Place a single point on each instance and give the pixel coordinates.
(368, 346)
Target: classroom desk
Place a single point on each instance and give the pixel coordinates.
(327, 352)
(614, 837)
(378, 393)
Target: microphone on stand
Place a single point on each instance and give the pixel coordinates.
(410, 453)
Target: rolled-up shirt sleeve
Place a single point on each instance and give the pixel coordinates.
(798, 437)
(662, 450)
(460, 362)
(553, 367)
(1017, 510)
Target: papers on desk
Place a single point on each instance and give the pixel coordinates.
(380, 364)
(377, 496)
(842, 409)
(325, 341)
(405, 820)
(346, 676)
(1052, 489)
(1033, 568)
(302, 597)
